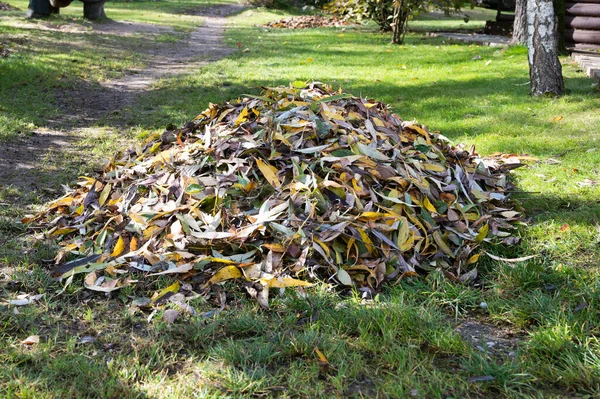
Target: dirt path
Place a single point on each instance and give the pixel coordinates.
(36, 162)
(204, 45)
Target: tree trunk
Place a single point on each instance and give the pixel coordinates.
(519, 35)
(399, 18)
(545, 71)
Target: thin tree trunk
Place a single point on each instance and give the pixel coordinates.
(399, 18)
(519, 35)
(545, 71)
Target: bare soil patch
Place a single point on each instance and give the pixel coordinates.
(110, 27)
(489, 338)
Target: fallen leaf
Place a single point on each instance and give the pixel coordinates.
(170, 315)
(88, 339)
(31, 340)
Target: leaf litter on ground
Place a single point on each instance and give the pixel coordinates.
(297, 185)
(309, 21)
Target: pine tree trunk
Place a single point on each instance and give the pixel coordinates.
(545, 71)
(519, 35)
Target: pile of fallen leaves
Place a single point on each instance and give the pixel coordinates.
(308, 21)
(7, 7)
(279, 190)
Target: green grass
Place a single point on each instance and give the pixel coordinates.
(404, 342)
(465, 20)
(172, 13)
(43, 64)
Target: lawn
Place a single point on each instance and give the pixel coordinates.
(538, 320)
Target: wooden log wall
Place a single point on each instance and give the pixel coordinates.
(582, 24)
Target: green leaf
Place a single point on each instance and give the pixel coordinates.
(344, 277)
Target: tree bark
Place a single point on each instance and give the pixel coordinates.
(399, 18)
(545, 71)
(519, 35)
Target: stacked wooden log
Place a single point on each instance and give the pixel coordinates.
(582, 24)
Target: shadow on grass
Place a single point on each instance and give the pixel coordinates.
(43, 373)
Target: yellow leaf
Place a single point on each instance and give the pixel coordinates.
(249, 187)
(110, 269)
(367, 241)
(285, 282)
(165, 156)
(152, 231)
(136, 217)
(172, 289)
(133, 244)
(325, 247)
(408, 244)
(322, 357)
(275, 247)
(60, 232)
(269, 172)
(421, 131)
(280, 137)
(428, 205)
(155, 147)
(104, 195)
(557, 118)
(433, 167)
(403, 232)
(218, 260)
(61, 202)
(242, 117)
(226, 273)
(333, 115)
(417, 223)
(119, 247)
(473, 259)
(350, 246)
(482, 234)
(359, 190)
(79, 210)
(373, 215)
(89, 181)
(378, 122)
(439, 240)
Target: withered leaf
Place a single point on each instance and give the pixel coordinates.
(280, 189)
